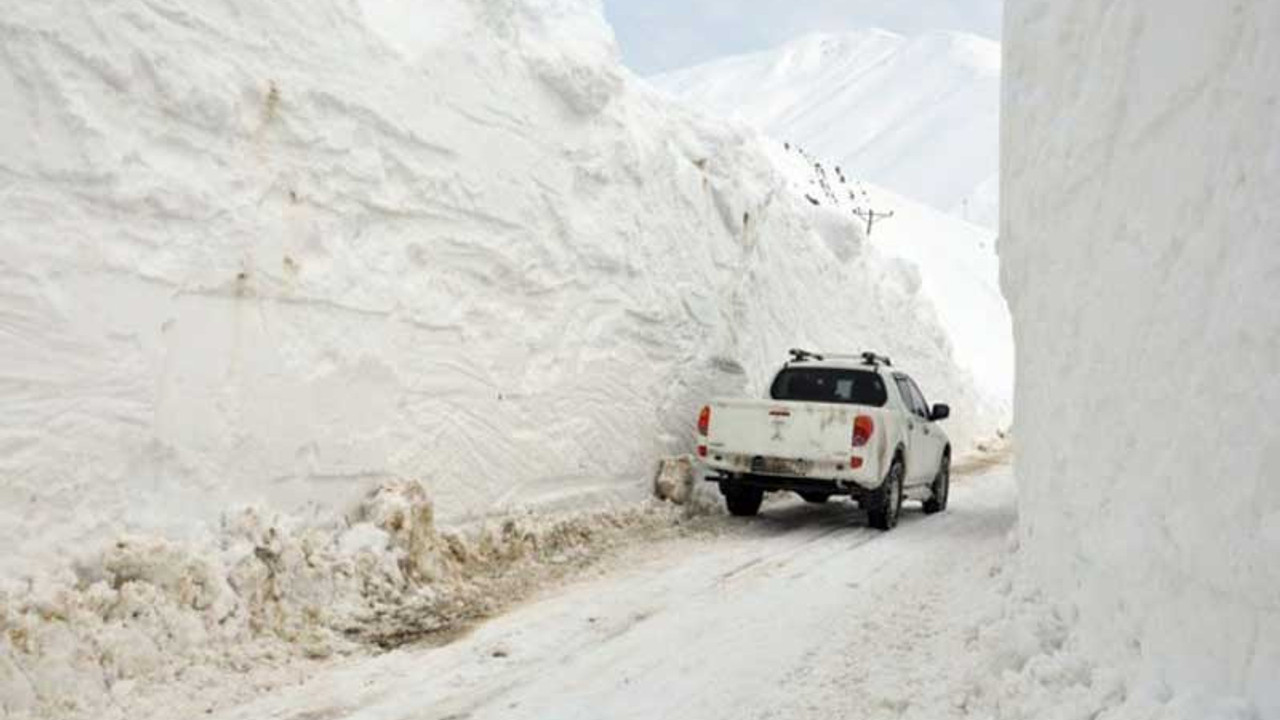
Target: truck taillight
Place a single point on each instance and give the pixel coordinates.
(863, 426)
(704, 420)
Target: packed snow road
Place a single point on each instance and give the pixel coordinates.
(801, 612)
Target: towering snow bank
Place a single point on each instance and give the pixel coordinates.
(1141, 169)
(276, 253)
(918, 115)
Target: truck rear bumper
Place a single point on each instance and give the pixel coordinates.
(808, 476)
(778, 482)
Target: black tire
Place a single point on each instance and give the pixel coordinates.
(817, 498)
(743, 501)
(885, 504)
(941, 488)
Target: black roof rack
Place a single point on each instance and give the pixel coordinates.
(871, 358)
(798, 355)
(867, 358)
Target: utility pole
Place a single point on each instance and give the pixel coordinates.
(872, 217)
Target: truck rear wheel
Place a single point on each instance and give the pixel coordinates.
(884, 505)
(940, 489)
(743, 501)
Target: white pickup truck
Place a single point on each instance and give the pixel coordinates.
(833, 425)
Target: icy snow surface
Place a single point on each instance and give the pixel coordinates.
(273, 255)
(918, 115)
(1141, 168)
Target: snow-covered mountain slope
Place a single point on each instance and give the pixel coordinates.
(953, 263)
(276, 254)
(661, 37)
(1141, 169)
(918, 115)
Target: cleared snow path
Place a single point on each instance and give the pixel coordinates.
(802, 612)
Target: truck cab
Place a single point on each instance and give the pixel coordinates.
(832, 425)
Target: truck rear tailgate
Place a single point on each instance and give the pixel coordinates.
(776, 429)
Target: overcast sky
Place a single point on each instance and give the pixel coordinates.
(659, 35)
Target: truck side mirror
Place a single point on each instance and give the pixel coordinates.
(940, 412)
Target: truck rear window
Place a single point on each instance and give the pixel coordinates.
(829, 385)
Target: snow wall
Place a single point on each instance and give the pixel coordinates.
(277, 252)
(1141, 167)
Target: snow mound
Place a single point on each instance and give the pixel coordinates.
(273, 590)
(918, 115)
(1141, 167)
